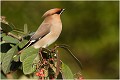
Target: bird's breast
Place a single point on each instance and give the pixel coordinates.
(56, 29)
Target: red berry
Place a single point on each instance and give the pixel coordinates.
(37, 74)
(41, 70)
(51, 59)
(81, 78)
(42, 75)
(52, 79)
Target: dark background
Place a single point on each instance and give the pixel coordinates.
(91, 29)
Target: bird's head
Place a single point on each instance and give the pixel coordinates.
(53, 11)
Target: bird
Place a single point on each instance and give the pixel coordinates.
(49, 30)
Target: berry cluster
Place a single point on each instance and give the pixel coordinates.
(40, 73)
(46, 67)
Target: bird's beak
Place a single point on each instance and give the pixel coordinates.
(62, 11)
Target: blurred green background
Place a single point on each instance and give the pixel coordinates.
(91, 28)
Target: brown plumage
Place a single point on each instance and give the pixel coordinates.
(48, 31)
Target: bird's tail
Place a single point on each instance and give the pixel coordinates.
(26, 46)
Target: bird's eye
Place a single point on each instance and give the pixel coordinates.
(58, 12)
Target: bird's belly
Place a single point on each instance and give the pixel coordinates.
(46, 40)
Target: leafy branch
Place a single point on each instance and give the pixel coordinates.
(41, 63)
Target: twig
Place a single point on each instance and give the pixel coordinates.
(10, 34)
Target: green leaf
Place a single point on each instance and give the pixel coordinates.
(6, 27)
(27, 52)
(22, 43)
(6, 62)
(2, 56)
(10, 39)
(3, 77)
(5, 47)
(28, 67)
(66, 72)
(16, 58)
(3, 34)
(17, 33)
(25, 29)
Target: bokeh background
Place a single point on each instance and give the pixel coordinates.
(90, 28)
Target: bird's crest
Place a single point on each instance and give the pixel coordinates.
(52, 11)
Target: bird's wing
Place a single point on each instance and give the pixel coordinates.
(41, 32)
